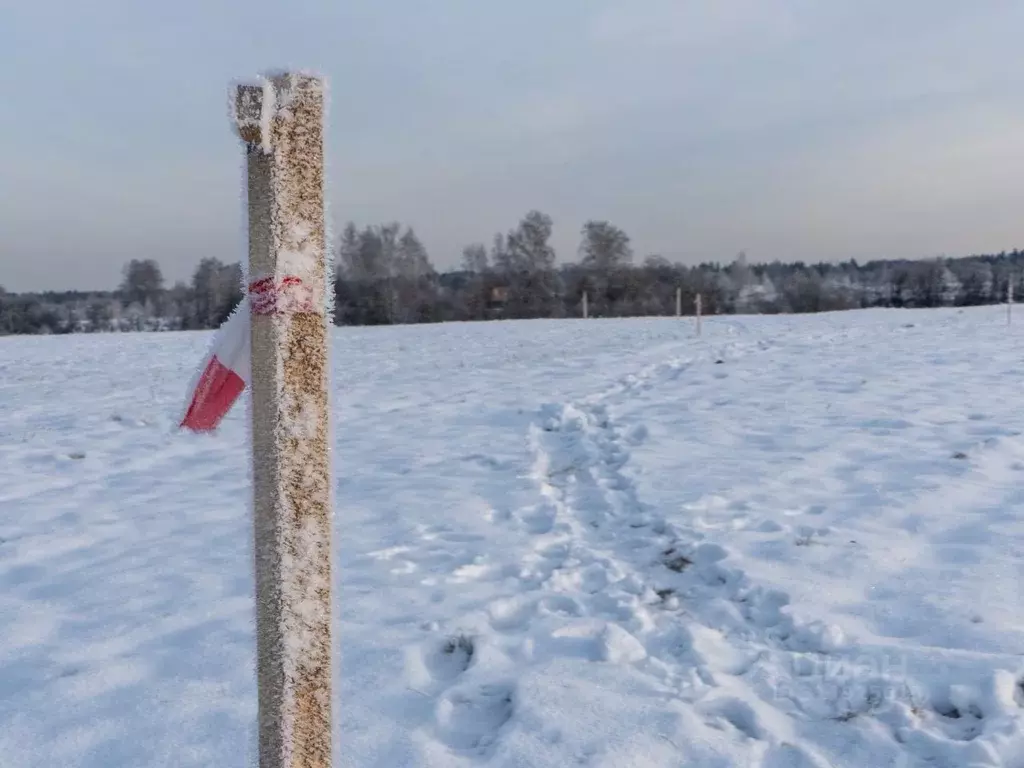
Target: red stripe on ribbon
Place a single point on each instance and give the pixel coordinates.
(216, 392)
(284, 297)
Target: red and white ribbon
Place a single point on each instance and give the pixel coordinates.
(224, 374)
(226, 368)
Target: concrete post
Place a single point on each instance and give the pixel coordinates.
(281, 124)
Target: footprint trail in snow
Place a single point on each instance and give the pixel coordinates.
(611, 582)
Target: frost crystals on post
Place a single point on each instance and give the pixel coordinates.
(281, 123)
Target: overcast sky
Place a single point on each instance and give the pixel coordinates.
(791, 129)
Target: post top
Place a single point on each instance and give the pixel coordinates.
(249, 112)
(254, 102)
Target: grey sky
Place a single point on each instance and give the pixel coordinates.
(793, 129)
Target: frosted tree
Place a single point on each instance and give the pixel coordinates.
(475, 297)
(603, 246)
(349, 260)
(528, 247)
(605, 249)
(142, 281)
(384, 276)
(474, 258)
(411, 259)
(527, 264)
(216, 290)
(414, 280)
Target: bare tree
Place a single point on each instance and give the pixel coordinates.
(216, 290)
(474, 258)
(142, 281)
(411, 259)
(527, 263)
(604, 250)
(415, 280)
(350, 264)
(604, 246)
(528, 247)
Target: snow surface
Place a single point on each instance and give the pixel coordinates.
(792, 542)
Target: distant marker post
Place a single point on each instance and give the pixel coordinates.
(679, 302)
(280, 122)
(586, 309)
(1009, 300)
(697, 311)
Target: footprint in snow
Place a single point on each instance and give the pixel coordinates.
(439, 661)
(537, 520)
(508, 614)
(785, 755)
(470, 718)
(737, 714)
(636, 435)
(561, 606)
(808, 535)
(486, 462)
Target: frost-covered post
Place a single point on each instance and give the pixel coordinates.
(586, 309)
(281, 123)
(679, 302)
(697, 311)
(1009, 300)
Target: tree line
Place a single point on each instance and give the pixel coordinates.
(384, 276)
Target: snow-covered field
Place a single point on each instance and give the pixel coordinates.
(793, 542)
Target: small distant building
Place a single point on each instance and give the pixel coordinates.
(497, 298)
